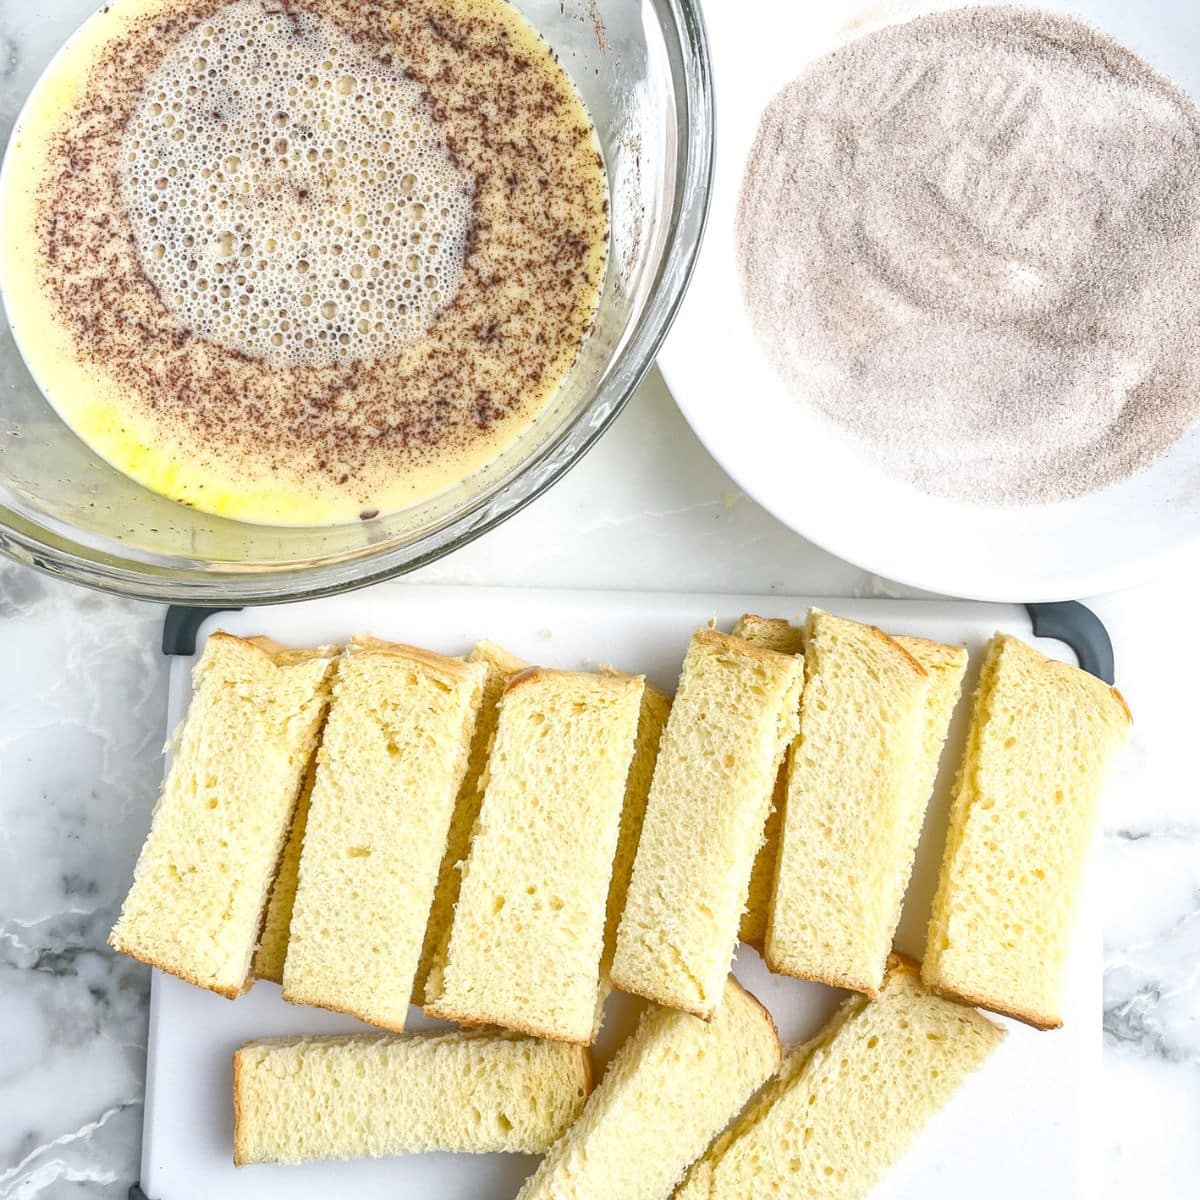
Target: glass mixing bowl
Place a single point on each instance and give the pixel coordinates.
(643, 69)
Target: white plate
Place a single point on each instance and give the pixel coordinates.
(1023, 1126)
(789, 461)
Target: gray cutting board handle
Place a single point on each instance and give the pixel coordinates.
(179, 637)
(1078, 627)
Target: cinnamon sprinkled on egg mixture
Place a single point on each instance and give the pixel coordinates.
(290, 313)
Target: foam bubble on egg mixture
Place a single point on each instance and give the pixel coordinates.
(291, 197)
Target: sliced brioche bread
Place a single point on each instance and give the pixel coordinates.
(945, 666)
(528, 932)
(202, 878)
(300, 1099)
(392, 757)
(670, 1089)
(500, 667)
(652, 719)
(1042, 737)
(775, 634)
(734, 713)
(273, 942)
(845, 1106)
(849, 811)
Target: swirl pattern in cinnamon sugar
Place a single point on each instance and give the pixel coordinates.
(293, 260)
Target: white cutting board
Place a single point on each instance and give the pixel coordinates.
(1023, 1126)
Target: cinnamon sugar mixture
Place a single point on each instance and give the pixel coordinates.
(322, 243)
(971, 242)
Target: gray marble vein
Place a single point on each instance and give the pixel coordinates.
(1152, 974)
(81, 728)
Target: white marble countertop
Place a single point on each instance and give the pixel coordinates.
(82, 694)
(82, 701)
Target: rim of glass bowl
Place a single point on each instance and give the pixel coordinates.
(57, 553)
